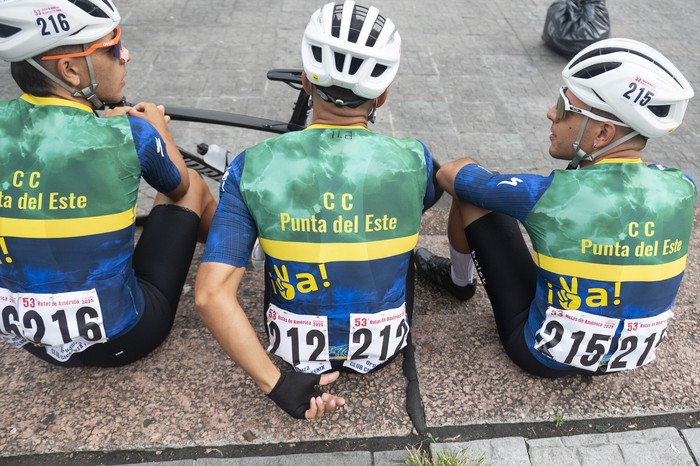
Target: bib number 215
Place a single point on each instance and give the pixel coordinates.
(582, 340)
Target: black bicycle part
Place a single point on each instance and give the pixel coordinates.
(291, 77)
(300, 112)
(214, 117)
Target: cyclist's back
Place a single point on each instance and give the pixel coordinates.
(69, 213)
(610, 239)
(75, 290)
(337, 209)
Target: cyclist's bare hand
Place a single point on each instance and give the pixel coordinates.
(154, 114)
(326, 403)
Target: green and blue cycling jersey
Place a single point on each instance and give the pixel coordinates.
(69, 183)
(337, 211)
(610, 242)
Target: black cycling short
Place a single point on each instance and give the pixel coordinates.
(161, 261)
(509, 275)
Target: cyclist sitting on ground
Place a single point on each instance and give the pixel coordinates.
(337, 209)
(610, 239)
(73, 289)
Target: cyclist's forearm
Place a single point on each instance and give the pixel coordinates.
(229, 325)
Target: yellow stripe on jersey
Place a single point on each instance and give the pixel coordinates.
(66, 228)
(611, 273)
(338, 252)
(34, 100)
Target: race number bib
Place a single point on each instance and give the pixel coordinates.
(575, 338)
(301, 340)
(638, 342)
(65, 323)
(376, 337)
(581, 339)
(52, 22)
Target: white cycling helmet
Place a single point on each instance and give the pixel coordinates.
(352, 47)
(633, 81)
(32, 27)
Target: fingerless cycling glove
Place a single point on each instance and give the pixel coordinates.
(294, 391)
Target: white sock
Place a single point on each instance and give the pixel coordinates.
(462, 267)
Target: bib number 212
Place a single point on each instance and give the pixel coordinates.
(376, 337)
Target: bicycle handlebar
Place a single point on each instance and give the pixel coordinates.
(214, 117)
(289, 76)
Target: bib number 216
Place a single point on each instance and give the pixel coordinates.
(65, 323)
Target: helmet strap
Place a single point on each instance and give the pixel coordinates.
(325, 95)
(87, 93)
(581, 155)
(372, 116)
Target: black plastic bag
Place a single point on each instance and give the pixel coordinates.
(572, 25)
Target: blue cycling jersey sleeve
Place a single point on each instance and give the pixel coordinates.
(232, 232)
(511, 194)
(156, 167)
(432, 189)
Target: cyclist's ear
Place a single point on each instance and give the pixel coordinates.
(379, 101)
(306, 83)
(68, 71)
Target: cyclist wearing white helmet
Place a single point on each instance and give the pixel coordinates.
(75, 291)
(609, 239)
(337, 209)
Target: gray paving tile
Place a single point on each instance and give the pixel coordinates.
(505, 451)
(390, 458)
(659, 446)
(355, 458)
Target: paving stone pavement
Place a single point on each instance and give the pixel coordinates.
(475, 80)
(653, 447)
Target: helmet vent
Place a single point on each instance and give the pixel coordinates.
(318, 54)
(337, 17)
(89, 8)
(6, 30)
(109, 4)
(378, 70)
(359, 14)
(357, 21)
(376, 30)
(355, 64)
(660, 111)
(339, 61)
(609, 50)
(595, 70)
